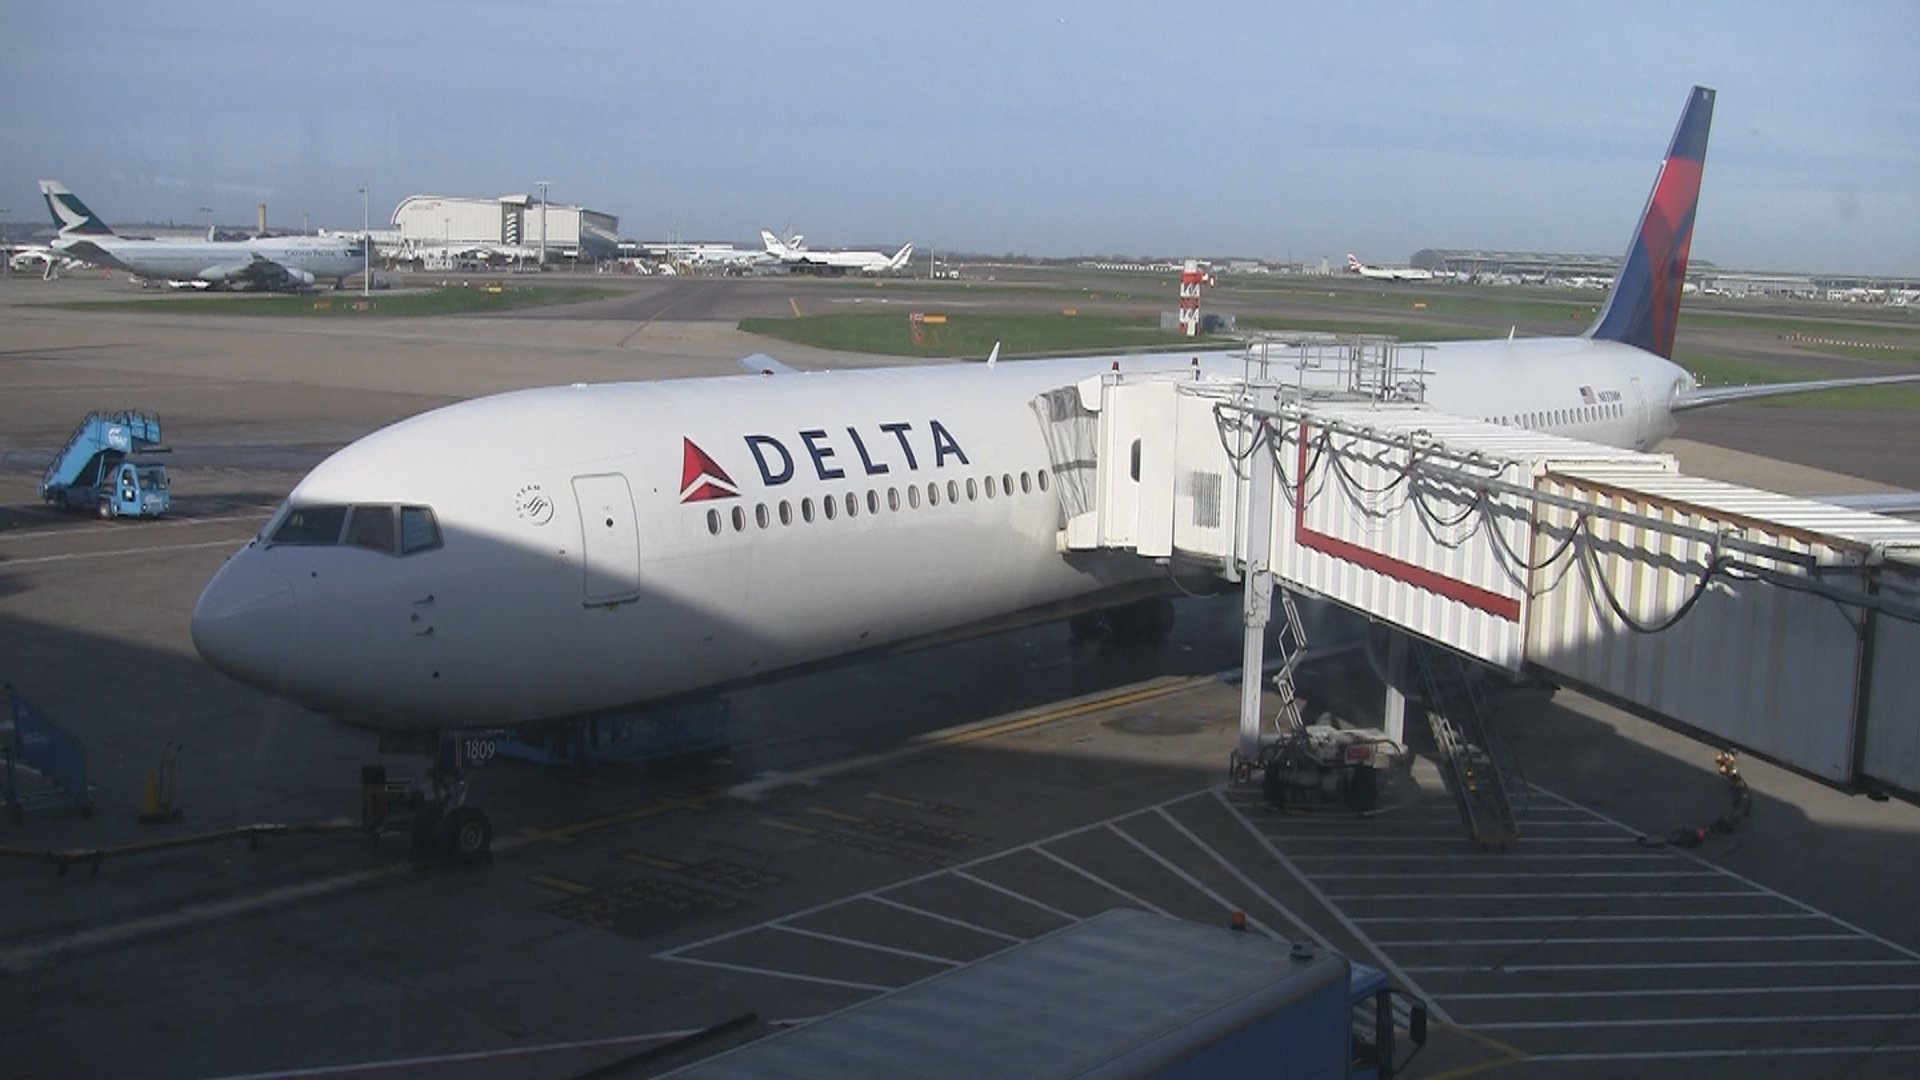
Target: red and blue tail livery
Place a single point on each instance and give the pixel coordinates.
(1644, 308)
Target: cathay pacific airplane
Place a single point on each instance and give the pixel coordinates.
(283, 262)
(549, 553)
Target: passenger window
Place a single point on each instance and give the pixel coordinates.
(933, 494)
(713, 523)
(1041, 479)
(1026, 483)
(853, 504)
(739, 520)
(989, 487)
(418, 530)
(786, 512)
(913, 497)
(873, 501)
(760, 515)
(311, 525)
(371, 527)
(1136, 461)
(893, 499)
(953, 491)
(830, 507)
(973, 490)
(806, 509)
(1006, 483)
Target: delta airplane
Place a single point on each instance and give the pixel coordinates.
(798, 257)
(264, 262)
(1386, 273)
(546, 554)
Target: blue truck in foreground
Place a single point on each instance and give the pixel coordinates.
(1125, 995)
(98, 471)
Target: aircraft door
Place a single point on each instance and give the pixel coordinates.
(1637, 409)
(609, 539)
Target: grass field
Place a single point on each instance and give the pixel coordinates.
(453, 300)
(975, 333)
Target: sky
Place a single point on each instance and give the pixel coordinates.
(1263, 130)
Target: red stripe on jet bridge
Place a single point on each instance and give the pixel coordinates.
(1419, 577)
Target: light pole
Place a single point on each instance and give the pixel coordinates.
(543, 223)
(366, 246)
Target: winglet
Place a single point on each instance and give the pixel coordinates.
(1643, 310)
(993, 356)
(71, 216)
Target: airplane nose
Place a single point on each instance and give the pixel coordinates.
(243, 624)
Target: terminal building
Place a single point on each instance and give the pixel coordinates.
(509, 221)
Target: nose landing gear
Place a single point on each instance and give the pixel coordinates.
(432, 811)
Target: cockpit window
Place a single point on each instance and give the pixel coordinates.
(371, 527)
(418, 530)
(310, 525)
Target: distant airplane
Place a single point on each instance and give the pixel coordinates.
(262, 263)
(40, 257)
(532, 557)
(801, 259)
(1386, 273)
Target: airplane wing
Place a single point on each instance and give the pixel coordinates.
(1702, 398)
(762, 364)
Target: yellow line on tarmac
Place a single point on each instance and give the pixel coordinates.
(1509, 1055)
(1008, 727)
(790, 826)
(562, 884)
(652, 860)
(821, 811)
(795, 305)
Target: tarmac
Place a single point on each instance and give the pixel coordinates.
(875, 824)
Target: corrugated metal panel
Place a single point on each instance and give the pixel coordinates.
(1891, 754)
(1764, 667)
(1840, 527)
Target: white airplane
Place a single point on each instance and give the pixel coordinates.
(1386, 273)
(801, 259)
(288, 262)
(40, 257)
(551, 553)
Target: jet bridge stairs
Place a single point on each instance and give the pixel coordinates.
(1322, 471)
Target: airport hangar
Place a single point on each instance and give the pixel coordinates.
(574, 233)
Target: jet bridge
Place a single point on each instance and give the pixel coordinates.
(1780, 625)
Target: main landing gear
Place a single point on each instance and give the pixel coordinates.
(432, 811)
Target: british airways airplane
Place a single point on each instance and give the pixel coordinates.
(551, 553)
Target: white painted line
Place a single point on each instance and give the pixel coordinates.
(1689, 895)
(1662, 965)
(1501, 860)
(1342, 842)
(948, 919)
(75, 556)
(1263, 894)
(396, 1064)
(1689, 939)
(1196, 883)
(1571, 917)
(1380, 957)
(1606, 875)
(145, 526)
(1422, 829)
(1694, 1021)
(1102, 882)
(673, 953)
(1744, 880)
(777, 974)
(1736, 1052)
(1669, 991)
(1022, 897)
(856, 943)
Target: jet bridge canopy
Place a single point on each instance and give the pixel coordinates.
(1780, 625)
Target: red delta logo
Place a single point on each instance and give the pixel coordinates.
(701, 478)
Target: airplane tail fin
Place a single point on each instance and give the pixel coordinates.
(1643, 310)
(1354, 265)
(774, 246)
(900, 258)
(71, 216)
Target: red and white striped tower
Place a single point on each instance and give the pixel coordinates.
(1190, 280)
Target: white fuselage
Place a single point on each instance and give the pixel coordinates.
(610, 545)
(220, 261)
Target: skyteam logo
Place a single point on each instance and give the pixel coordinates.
(701, 478)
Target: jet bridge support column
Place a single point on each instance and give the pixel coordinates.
(1257, 603)
(1393, 719)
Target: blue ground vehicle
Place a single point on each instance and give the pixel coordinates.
(96, 470)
